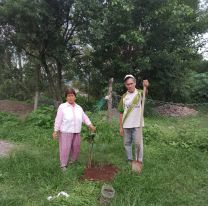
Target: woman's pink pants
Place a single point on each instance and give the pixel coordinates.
(69, 145)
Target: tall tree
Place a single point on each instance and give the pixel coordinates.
(46, 30)
(151, 39)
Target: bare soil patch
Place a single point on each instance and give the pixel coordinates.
(18, 108)
(100, 173)
(175, 110)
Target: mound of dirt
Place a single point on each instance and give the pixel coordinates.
(5, 148)
(15, 107)
(175, 110)
(100, 173)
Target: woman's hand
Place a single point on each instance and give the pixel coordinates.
(92, 128)
(55, 135)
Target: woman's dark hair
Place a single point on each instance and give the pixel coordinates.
(70, 91)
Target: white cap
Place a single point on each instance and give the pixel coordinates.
(129, 76)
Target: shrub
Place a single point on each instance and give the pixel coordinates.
(4, 117)
(152, 133)
(43, 117)
(8, 120)
(85, 103)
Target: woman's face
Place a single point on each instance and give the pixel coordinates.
(70, 98)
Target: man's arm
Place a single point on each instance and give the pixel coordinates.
(146, 84)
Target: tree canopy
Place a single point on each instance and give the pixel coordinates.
(94, 40)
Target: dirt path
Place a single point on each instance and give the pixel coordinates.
(15, 107)
(5, 148)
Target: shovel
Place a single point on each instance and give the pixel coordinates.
(135, 164)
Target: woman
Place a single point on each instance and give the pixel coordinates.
(68, 123)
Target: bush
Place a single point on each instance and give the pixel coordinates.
(4, 117)
(87, 105)
(152, 133)
(43, 117)
(8, 120)
(199, 87)
(105, 131)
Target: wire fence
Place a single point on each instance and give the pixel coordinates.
(174, 103)
(153, 107)
(116, 99)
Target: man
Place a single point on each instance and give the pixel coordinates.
(130, 114)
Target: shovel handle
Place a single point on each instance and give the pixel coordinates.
(142, 109)
(141, 120)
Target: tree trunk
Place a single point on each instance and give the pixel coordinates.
(36, 101)
(59, 68)
(56, 93)
(60, 86)
(88, 89)
(110, 89)
(37, 90)
(19, 59)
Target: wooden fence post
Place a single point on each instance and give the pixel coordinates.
(110, 90)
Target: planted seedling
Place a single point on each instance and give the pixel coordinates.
(90, 138)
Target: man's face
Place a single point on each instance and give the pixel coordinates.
(130, 84)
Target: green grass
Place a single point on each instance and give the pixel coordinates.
(175, 165)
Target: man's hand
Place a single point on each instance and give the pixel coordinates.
(121, 131)
(55, 135)
(145, 83)
(92, 128)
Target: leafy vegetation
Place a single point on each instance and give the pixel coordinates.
(90, 138)
(175, 164)
(45, 44)
(43, 117)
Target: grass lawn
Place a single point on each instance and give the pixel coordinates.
(175, 165)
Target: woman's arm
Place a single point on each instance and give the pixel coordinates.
(58, 121)
(87, 121)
